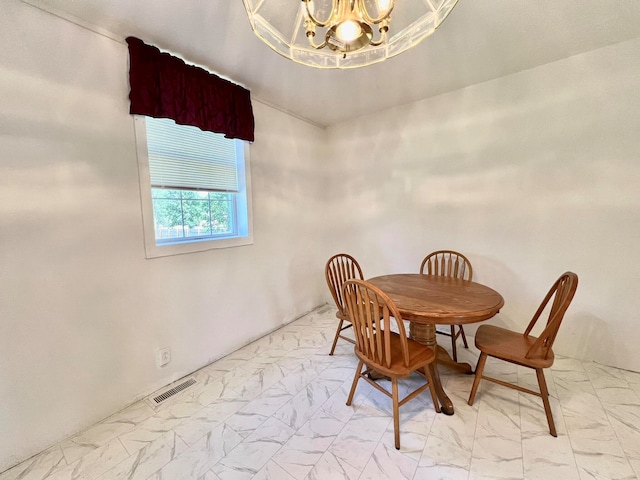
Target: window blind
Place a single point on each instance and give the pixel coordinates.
(182, 156)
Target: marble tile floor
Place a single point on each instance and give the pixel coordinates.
(275, 409)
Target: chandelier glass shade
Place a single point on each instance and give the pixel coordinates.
(344, 33)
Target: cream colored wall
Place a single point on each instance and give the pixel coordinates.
(82, 312)
(530, 175)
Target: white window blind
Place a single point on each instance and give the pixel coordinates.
(185, 157)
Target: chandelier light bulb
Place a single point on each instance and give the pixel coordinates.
(383, 5)
(348, 30)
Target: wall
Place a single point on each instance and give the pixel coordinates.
(82, 312)
(530, 175)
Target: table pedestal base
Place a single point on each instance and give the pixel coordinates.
(445, 360)
(426, 335)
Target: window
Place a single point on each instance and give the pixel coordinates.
(195, 188)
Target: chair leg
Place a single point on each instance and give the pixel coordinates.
(396, 412)
(432, 388)
(355, 382)
(454, 350)
(544, 393)
(476, 381)
(335, 339)
(464, 337)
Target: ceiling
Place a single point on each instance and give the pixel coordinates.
(479, 41)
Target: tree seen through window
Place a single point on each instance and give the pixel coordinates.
(192, 213)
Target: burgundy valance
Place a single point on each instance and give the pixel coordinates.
(164, 86)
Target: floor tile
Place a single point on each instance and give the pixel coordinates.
(545, 457)
(195, 460)
(303, 450)
(94, 464)
(147, 460)
(101, 433)
(303, 405)
(254, 452)
(38, 467)
(272, 471)
(195, 427)
(387, 462)
(160, 423)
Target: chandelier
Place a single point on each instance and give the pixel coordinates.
(344, 33)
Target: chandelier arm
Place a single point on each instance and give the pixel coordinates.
(314, 45)
(371, 20)
(334, 11)
(383, 38)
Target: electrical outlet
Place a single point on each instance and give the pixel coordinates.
(164, 356)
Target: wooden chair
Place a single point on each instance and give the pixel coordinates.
(382, 350)
(447, 263)
(339, 269)
(525, 349)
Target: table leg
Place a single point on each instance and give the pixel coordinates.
(444, 359)
(426, 334)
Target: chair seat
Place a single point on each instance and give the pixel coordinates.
(511, 346)
(419, 356)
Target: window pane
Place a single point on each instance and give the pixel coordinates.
(221, 212)
(167, 211)
(191, 213)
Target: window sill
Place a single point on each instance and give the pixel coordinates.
(167, 250)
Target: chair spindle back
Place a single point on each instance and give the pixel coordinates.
(562, 292)
(370, 310)
(339, 269)
(447, 263)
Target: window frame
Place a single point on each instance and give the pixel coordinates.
(243, 204)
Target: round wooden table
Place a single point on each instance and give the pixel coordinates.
(429, 300)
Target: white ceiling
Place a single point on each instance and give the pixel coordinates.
(481, 40)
